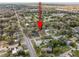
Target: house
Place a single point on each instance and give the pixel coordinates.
(48, 49)
(3, 46)
(68, 42)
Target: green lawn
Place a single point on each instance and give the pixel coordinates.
(75, 53)
(58, 50)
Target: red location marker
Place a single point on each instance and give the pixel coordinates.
(40, 24)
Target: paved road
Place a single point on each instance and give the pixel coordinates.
(27, 40)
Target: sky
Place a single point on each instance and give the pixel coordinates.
(14, 1)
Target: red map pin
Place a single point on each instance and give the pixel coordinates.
(40, 24)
